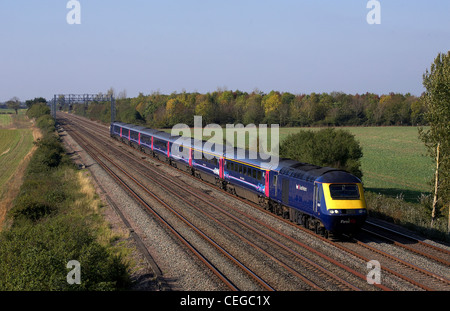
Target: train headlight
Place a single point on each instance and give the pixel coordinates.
(334, 211)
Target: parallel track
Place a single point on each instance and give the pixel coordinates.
(200, 196)
(306, 262)
(410, 243)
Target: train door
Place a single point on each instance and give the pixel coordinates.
(267, 185)
(285, 191)
(317, 197)
(221, 161)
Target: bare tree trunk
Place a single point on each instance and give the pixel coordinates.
(433, 212)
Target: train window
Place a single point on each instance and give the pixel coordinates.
(240, 169)
(134, 135)
(259, 175)
(146, 140)
(160, 144)
(275, 180)
(249, 172)
(344, 192)
(254, 173)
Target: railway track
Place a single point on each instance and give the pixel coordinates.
(97, 156)
(306, 263)
(409, 243)
(292, 251)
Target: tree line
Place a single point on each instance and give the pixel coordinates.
(283, 108)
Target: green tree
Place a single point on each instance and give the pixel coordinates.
(254, 111)
(37, 100)
(13, 103)
(37, 110)
(205, 108)
(327, 147)
(437, 138)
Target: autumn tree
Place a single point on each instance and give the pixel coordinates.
(272, 103)
(437, 138)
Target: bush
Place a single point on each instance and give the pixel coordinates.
(326, 147)
(37, 110)
(34, 257)
(32, 207)
(46, 123)
(49, 154)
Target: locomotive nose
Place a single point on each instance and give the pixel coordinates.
(345, 207)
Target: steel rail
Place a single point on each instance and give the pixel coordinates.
(335, 244)
(304, 259)
(414, 240)
(222, 250)
(217, 272)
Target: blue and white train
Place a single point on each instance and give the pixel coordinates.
(322, 199)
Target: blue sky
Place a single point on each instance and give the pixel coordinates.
(200, 45)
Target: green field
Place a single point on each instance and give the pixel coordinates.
(14, 145)
(5, 120)
(394, 159)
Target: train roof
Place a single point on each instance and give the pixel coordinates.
(137, 128)
(310, 172)
(287, 167)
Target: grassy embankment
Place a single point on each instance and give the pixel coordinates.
(56, 218)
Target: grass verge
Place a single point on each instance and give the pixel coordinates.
(56, 218)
